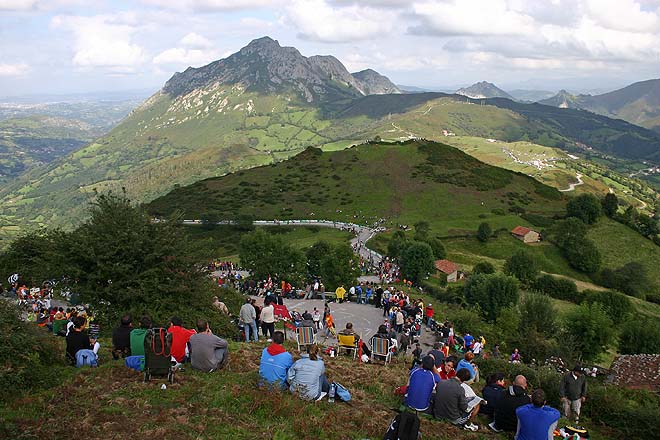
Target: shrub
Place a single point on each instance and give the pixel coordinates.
(483, 267)
(591, 329)
(537, 314)
(484, 232)
(558, 288)
(586, 207)
(522, 266)
(492, 293)
(28, 353)
(640, 336)
(615, 304)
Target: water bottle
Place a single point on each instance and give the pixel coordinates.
(331, 394)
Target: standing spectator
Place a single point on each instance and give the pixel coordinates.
(306, 377)
(220, 306)
(268, 320)
(247, 316)
(468, 340)
(316, 318)
(421, 385)
(573, 392)
(121, 338)
(476, 347)
(511, 399)
(180, 338)
(536, 421)
(275, 362)
(496, 352)
(428, 312)
(208, 352)
(400, 319)
(340, 293)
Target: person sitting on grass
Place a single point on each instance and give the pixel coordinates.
(78, 339)
(492, 393)
(466, 363)
(138, 335)
(180, 338)
(208, 352)
(306, 377)
(421, 385)
(511, 399)
(121, 338)
(451, 404)
(535, 420)
(447, 370)
(275, 363)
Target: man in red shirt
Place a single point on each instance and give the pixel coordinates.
(447, 370)
(180, 338)
(429, 314)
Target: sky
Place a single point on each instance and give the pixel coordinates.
(78, 46)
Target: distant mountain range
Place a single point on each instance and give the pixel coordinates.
(266, 103)
(638, 103)
(482, 90)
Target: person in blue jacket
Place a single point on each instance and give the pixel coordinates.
(466, 363)
(535, 420)
(275, 362)
(306, 377)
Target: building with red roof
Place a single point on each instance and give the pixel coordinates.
(449, 268)
(526, 235)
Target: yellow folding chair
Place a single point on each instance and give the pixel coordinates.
(347, 342)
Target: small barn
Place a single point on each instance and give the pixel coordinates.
(449, 268)
(526, 235)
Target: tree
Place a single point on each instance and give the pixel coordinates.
(522, 266)
(586, 207)
(334, 264)
(617, 305)
(640, 336)
(264, 254)
(417, 261)
(484, 232)
(422, 229)
(582, 254)
(439, 251)
(610, 204)
(483, 267)
(537, 314)
(591, 330)
(565, 230)
(491, 293)
(397, 244)
(631, 279)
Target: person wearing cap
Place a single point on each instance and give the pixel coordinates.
(573, 392)
(428, 312)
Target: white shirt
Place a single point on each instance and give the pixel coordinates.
(268, 314)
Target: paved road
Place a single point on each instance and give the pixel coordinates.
(571, 186)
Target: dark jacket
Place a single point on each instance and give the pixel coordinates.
(450, 402)
(505, 412)
(76, 341)
(121, 337)
(491, 394)
(573, 388)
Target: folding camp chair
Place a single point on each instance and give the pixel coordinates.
(347, 342)
(305, 336)
(381, 348)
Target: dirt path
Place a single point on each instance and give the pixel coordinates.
(571, 187)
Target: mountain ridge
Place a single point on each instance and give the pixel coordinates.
(483, 89)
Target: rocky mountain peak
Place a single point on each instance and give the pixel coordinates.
(483, 89)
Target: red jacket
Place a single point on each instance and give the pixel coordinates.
(180, 337)
(429, 312)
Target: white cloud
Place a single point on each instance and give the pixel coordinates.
(195, 50)
(18, 69)
(318, 20)
(212, 5)
(196, 41)
(104, 41)
(18, 5)
(624, 15)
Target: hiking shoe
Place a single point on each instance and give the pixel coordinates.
(323, 394)
(471, 427)
(492, 426)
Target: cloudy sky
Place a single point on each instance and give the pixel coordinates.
(66, 46)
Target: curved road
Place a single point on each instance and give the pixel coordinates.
(571, 186)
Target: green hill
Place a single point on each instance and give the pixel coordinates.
(267, 103)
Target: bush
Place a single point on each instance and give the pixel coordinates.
(537, 314)
(483, 267)
(484, 232)
(586, 207)
(492, 293)
(616, 305)
(640, 336)
(28, 353)
(591, 329)
(559, 288)
(582, 254)
(522, 266)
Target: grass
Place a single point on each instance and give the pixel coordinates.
(618, 245)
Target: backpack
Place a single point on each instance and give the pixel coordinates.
(135, 362)
(86, 358)
(405, 426)
(342, 393)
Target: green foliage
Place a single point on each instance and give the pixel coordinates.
(522, 266)
(335, 264)
(439, 250)
(591, 329)
(538, 315)
(422, 230)
(610, 204)
(566, 230)
(29, 353)
(640, 335)
(483, 267)
(631, 279)
(484, 232)
(586, 207)
(417, 261)
(492, 293)
(264, 255)
(582, 254)
(617, 306)
(558, 288)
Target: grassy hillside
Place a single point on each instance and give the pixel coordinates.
(403, 183)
